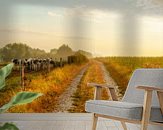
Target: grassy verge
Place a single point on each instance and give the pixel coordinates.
(50, 84)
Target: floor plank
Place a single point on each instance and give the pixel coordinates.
(58, 121)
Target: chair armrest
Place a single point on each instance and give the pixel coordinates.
(150, 88)
(148, 91)
(98, 87)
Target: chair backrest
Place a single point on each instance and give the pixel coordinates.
(146, 77)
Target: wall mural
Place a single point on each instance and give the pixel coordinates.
(57, 47)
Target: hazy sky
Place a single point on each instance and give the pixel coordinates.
(103, 27)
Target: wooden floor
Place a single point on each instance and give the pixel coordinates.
(58, 121)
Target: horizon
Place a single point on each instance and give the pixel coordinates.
(94, 56)
(122, 29)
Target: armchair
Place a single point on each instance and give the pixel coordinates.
(138, 107)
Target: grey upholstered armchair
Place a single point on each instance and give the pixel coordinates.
(141, 104)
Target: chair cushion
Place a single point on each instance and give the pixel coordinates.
(131, 111)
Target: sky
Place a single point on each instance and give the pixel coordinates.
(103, 27)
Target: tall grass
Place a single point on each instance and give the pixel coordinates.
(50, 84)
(121, 68)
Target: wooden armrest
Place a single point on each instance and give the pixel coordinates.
(100, 85)
(111, 91)
(148, 98)
(148, 101)
(149, 88)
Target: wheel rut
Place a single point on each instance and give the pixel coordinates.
(65, 100)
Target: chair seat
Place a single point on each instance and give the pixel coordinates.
(131, 111)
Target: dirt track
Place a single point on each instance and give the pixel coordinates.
(65, 100)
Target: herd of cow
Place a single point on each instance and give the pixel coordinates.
(36, 64)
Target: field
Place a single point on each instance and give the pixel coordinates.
(51, 84)
(121, 68)
(54, 83)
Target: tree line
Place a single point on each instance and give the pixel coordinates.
(23, 51)
(20, 51)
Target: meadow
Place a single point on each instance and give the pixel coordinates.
(51, 84)
(121, 68)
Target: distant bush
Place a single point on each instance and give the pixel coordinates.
(77, 58)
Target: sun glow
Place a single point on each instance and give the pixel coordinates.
(151, 36)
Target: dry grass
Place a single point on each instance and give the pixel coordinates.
(121, 68)
(50, 84)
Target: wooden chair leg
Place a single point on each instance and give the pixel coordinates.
(124, 125)
(160, 98)
(94, 124)
(146, 110)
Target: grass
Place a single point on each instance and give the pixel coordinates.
(50, 84)
(121, 68)
(53, 84)
(2, 64)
